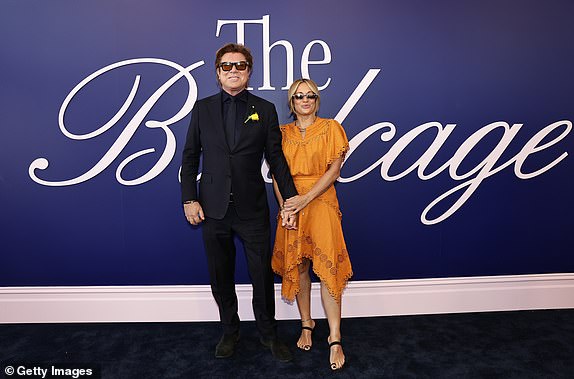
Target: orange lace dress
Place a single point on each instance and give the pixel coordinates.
(319, 236)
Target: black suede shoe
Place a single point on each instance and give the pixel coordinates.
(279, 350)
(226, 346)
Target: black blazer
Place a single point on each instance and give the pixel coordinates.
(238, 168)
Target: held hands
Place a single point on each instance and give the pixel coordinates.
(295, 204)
(290, 210)
(288, 220)
(193, 213)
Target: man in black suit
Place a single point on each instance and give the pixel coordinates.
(233, 130)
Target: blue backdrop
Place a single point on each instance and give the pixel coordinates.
(459, 115)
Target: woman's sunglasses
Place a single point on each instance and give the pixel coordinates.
(309, 96)
(227, 66)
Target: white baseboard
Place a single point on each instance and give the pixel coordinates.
(361, 299)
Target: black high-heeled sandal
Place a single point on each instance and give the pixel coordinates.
(308, 347)
(333, 364)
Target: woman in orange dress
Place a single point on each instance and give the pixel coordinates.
(315, 149)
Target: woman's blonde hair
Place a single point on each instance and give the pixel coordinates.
(293, 89)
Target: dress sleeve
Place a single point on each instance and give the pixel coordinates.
(338, 143)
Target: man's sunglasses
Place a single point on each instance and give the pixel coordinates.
(227, 66)
(309, 96)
